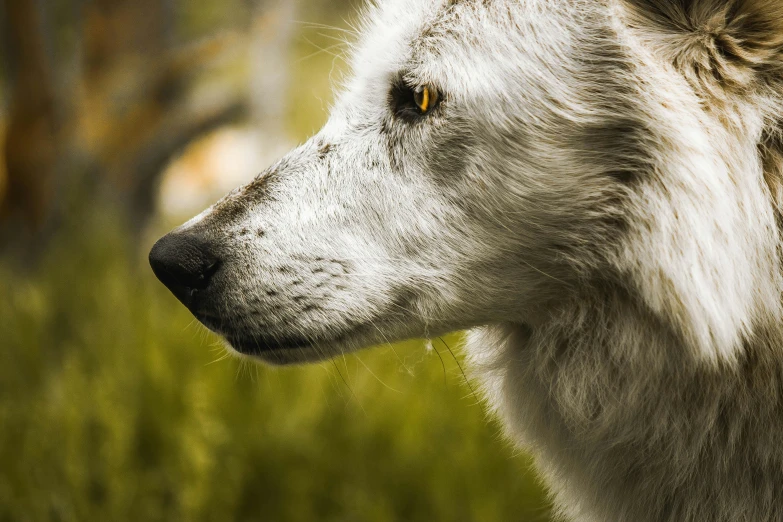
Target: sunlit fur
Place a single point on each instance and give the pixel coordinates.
(596, 196)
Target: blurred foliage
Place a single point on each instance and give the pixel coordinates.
(114, 409)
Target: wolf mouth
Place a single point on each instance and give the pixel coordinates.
(254, 342)
(257, 344)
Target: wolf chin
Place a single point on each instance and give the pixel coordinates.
(592, 188)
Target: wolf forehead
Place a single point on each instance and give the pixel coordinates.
(420, 30)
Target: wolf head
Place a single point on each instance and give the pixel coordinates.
(488, 161)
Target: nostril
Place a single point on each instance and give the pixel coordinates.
(184, 264)
(206, 275)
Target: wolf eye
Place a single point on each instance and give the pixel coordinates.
(425, 98)
(411, 103)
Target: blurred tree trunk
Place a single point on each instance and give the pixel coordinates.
(128, 90)
(104, 126)
(137, 82)
(31, 136)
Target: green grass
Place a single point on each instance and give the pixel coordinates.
(114, 407)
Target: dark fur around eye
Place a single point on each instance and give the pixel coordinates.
(402, 102)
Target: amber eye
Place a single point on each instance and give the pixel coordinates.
(410, 102)
(425, 98)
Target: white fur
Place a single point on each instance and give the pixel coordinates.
(604, 228)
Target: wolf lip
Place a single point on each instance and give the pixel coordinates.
(260, 344)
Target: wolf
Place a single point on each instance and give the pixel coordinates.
(591, 188)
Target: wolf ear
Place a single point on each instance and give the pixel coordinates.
(722, 47)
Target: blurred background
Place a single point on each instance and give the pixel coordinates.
(119, 119)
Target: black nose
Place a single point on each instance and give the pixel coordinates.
(184, 264)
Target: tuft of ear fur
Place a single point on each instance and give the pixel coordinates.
(722, 47)
(727, 50)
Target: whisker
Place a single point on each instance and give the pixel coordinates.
(316, 25)
(320, 50)
(187, 326)
(348, 386)
(376, 377)
(223, 357)
(336, 38)
(390, 345)
(442, 363)
(460, 369)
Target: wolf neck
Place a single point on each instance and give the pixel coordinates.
(629, 424)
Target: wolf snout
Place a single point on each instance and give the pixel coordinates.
(185, 264)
